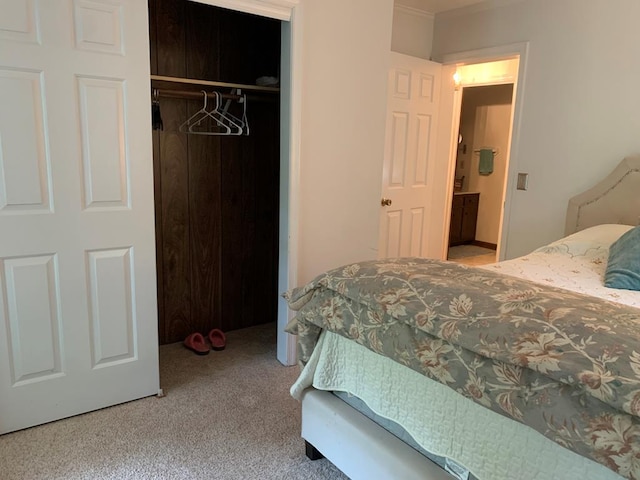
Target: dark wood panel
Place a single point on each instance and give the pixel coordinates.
(265, 61)
(202, 42)
(153, 37)
(267, 174)
(235, 58)
(206, 225)
(251, 242)
(231, 46)
(250, 192)
(171, 37)
(232, 233)
(174, 180)
(157, 194)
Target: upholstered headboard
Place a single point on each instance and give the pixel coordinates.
(616, 199)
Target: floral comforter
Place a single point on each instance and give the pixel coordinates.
(565, 364)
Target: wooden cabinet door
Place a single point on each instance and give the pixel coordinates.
(455, 231)
(469, 218)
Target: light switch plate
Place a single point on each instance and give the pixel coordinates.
(523, 180)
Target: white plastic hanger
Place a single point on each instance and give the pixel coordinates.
(196, 120)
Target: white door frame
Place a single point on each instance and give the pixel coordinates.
(289, 11)
(489, 55)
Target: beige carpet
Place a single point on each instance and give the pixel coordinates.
(227, 415)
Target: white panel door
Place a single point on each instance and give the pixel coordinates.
(78, 320)
(410, 153)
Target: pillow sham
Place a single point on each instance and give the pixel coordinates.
(598, 237)
(623, 267)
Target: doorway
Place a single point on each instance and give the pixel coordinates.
(216, 181)
(290, 14)
(480, 160)
(480, 173)
(499, 66)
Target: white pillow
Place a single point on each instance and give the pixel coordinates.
(601, 234)
(590, 240)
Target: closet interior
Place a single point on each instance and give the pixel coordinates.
(216, 181)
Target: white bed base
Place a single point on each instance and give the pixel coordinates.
(358, 446)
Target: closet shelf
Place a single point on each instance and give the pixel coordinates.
(161, 81)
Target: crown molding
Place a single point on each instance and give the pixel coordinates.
(416, 12)
(278, 9)
(476, 8)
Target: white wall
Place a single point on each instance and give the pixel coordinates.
(345, 62)
(412, 32)
(581, 101)
(492, 128)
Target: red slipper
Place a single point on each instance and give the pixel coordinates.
(196, 342)
(218, 339)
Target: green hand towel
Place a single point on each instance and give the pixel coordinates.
(486, 161)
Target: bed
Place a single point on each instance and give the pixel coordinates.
(453, 389)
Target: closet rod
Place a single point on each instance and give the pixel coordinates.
(209, 83)
(191, 95)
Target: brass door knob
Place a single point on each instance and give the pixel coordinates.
(385, 202)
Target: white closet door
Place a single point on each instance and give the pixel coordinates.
(78, 321)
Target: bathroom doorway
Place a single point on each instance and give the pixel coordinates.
(482, 161)
(480, 173)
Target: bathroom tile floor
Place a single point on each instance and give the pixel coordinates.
(471, 255)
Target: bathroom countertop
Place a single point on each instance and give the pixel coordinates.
(464, 193)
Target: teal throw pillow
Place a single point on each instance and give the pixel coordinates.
(623, 268)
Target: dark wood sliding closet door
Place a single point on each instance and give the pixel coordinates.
(216, 196)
